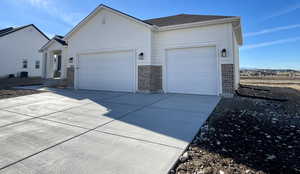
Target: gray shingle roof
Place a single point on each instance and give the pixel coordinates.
(60, 40)
(183, 19)
(6, 30)
(10, 30)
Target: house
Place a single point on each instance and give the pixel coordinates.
(53, 65)
(19, 51)
(111, 50)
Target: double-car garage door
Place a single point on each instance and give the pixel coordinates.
(187, 70)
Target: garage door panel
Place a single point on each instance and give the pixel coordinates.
(113, 71)
(192, 70)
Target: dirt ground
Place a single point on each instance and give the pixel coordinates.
(9, 93)
(255, 134)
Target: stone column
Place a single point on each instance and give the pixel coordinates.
(150, 78)
(70, 77)
(227, 79)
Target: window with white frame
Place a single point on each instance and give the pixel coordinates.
(37, 64)
(24, 64)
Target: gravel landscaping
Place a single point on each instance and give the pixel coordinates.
(9, 93)
(256, 132)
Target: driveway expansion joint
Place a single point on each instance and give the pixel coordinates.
(76, 136)
(33, 117)
(84, 129)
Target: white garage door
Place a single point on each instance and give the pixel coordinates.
(192, 71)
(112, 71)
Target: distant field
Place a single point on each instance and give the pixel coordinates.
(271, 77)
(292, 83)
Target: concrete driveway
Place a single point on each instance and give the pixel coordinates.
(98, 132)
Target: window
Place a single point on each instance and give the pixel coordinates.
(37, 64)
(24, 64)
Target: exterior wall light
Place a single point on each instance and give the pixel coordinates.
(224, 52)
(141, 56)
(71, 60)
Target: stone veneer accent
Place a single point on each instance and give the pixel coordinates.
(70, 77)
(150, 78)
(227, 79)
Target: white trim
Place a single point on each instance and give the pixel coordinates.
(237, 30)
(153, 27)
(76, 72)
(208, 44)
(135, 78)
(128, 17)
(48, 44)
(198, 24)
(103, 50)
(96, 11)
(132, 50)
(219, 70)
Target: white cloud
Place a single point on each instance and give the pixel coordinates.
(52, 8)
(271, 30)
(7, 24)
(265, 44)
(71, 18)
(50, 35)
(283, 11)
(39, 3)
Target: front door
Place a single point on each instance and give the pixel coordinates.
(58, 62)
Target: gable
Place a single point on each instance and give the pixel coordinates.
(12, 30)
(54, 45)
(109, 30)
(55, 40)
(28, 34)
(100, 9)
(164, 23)
(19, 45)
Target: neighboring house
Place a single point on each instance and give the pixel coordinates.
(110, 50)
(19, 50)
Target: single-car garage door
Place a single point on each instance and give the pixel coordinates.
(192, 71)
(113, 71)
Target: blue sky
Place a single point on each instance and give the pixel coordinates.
(271, 28)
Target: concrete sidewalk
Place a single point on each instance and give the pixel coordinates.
(83, 131)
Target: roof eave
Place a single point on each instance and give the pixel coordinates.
(239, 33)
(237, 29)
(44, 47)
(50, 42)
(23, 27)
(197, 24)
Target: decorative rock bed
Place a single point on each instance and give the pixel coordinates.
(248, 135)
